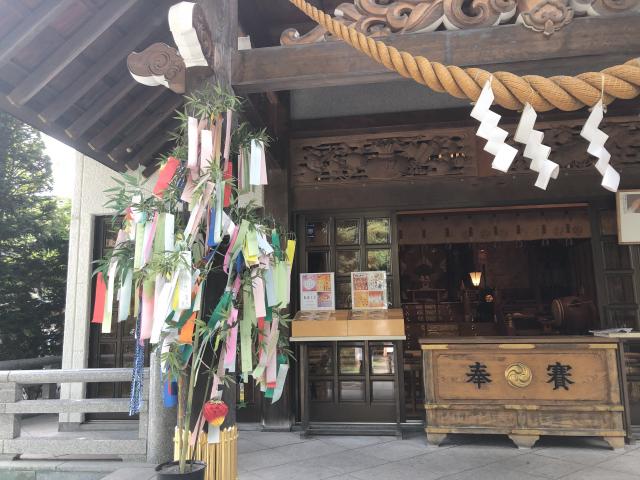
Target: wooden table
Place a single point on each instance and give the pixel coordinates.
(335, 331)
(523, 387)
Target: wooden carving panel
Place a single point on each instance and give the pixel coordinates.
(441, 153)
(378, 18)
(383, 157)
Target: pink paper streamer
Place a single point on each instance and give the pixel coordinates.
(227, 257)
(263, 168)
(189, 188)
(258, 296)
(231, 341)
(148, 241)
(146, 324)
(206, 149)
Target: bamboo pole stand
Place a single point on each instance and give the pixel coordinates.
(221, 458)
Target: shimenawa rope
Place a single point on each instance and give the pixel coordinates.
(511, 91)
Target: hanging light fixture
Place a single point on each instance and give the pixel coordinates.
(475, 278)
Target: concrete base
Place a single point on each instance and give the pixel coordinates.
(74, 470)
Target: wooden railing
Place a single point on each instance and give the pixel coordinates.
(127, 445)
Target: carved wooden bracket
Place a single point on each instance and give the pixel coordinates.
(161, 64)
(381, 17)
(158, 64)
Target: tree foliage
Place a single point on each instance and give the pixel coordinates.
(33, 246)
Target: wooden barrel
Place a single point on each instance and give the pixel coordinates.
(573, 315)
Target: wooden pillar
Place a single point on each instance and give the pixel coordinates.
(222, 20)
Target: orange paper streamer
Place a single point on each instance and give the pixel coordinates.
(186, 333)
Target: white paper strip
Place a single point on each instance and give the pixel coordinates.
(184, 281)
(192, 143)
(124, 297)
(185, 36)
(254, 162)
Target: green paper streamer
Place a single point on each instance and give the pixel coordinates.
(221, 311)
(158, 240)
(248, 319)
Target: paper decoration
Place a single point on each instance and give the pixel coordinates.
(185, 36)
(192, 143)
(489, 130)
(597, 138)
(257, 164)
(165, 175)
(369, 290)
(534, 149)
(317, 291)
(206, 150)
(98, 304)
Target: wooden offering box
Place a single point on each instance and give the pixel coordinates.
(347, 324)
(523, 387)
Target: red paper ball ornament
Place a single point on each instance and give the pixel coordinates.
(214, 412)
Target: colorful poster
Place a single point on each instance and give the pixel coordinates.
(368, 290)
(317, 291)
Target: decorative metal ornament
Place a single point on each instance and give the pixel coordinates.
(489, 130)
(518, 375)
(597, 138)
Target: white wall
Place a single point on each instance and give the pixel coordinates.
(92, 178)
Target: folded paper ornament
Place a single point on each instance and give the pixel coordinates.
(534, 149)
(489, 130)
(597, 138)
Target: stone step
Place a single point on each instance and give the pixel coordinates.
(73, 470)
(132, 473)
(69, 446)
(90, 405)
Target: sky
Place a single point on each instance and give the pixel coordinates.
(63, 165)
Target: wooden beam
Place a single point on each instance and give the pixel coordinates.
(124, 150)
(69, 51)
(30, 117)
(30, 27)
(145, 156)
(94, 74)
(103, 104)
(125, 117)
(335, 63)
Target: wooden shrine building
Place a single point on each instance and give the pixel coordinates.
(371, 170)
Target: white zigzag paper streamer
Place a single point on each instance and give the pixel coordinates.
(534, 149)
(597, 139)
(489, 130)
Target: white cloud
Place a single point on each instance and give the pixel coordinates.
(63, 166)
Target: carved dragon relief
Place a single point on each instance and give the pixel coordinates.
(382, 17)
(569, 150)
(451, 153)
(384, 158)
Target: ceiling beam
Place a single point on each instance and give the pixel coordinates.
(30, 27)
(30, 117)
(101, 106)
(83, 37)
(124, 118)
(123, 151)
(145, 156)
(94, 74)
(335, 63)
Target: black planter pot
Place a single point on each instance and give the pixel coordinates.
(171, 471)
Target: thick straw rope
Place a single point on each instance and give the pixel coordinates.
(511, 91)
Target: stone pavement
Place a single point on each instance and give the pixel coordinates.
(284, 456)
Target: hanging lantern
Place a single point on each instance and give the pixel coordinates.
(475, 278)
(214, 412)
